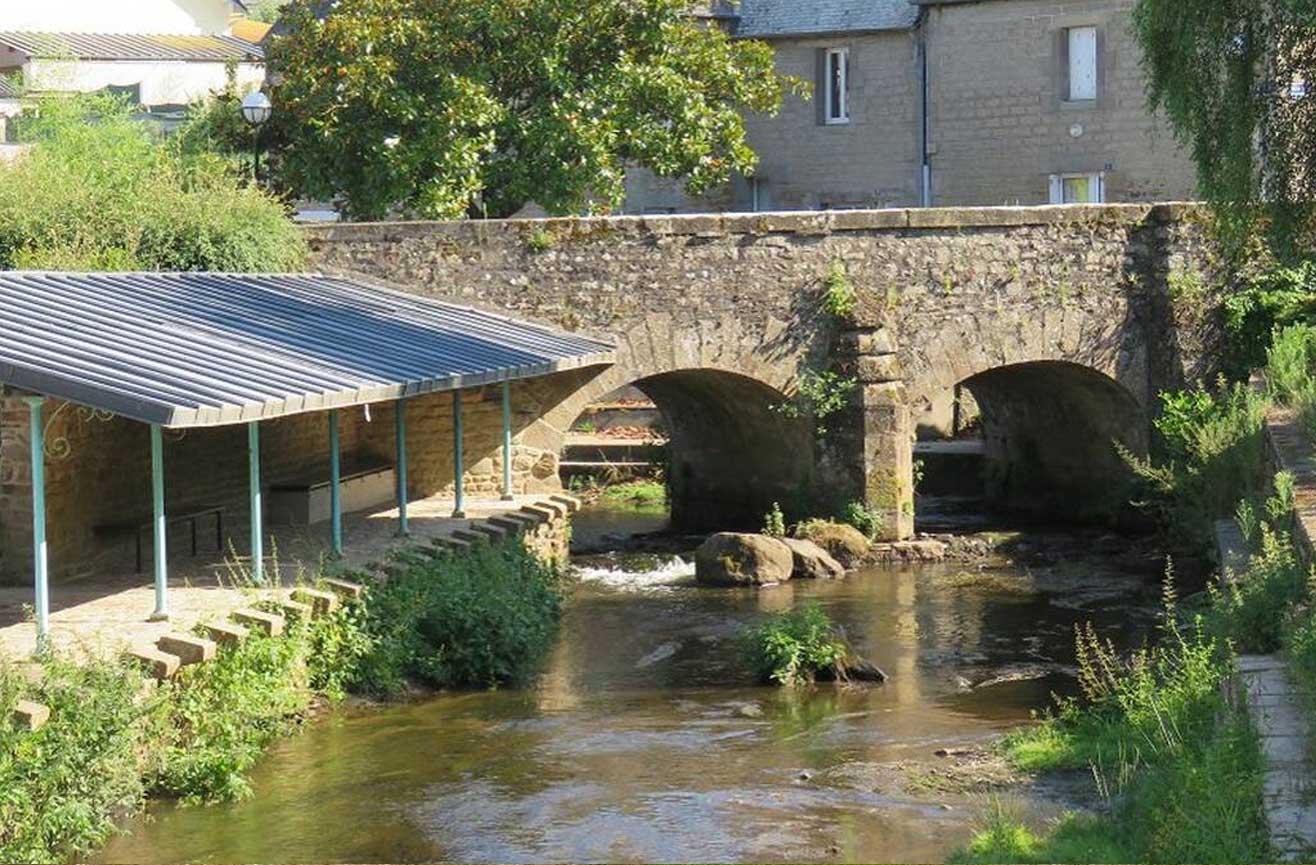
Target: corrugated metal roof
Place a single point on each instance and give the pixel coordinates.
(131, 46)
(202, 349)
(8, 89)
(770, 19)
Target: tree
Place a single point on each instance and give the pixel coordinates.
(1237, 79)
(441, 108)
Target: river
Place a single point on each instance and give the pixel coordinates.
(643, 741)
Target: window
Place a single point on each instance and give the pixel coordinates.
(1082, 63)
(1078, 188)
(836, 85)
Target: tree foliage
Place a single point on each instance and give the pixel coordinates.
(442, 109)
(1237, 79)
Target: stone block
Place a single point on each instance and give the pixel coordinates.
(347, 591)
(189, 649)
(879, 368)
(572, 503)
(158, 664)
(271, 624)
(470, 537)
(509, 524)
(296, 609)
(225, 632)
(30, 716)
(537, 514)
(493, 532)
(321, 603)
(453, 544)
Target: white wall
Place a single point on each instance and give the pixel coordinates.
(162, 83)
(116, 16)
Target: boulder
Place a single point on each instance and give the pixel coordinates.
(731, 559)
(845, 543)
(812, 562)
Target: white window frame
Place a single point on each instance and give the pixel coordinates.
(831, 115)
(1071, 59)
(1096, 178)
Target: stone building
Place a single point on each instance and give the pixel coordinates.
(947, 103)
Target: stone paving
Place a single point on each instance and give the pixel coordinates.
(1279, 715)
(109, 614)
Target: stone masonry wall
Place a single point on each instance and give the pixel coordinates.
(944, 295)
(1000, 120)
(98, 468)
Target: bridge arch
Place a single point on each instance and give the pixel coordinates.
(732, 451)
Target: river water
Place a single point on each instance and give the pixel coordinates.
(643, 741)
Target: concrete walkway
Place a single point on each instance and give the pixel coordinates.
(1280, 717)
(103, 616)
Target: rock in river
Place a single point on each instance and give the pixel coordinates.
(731, 559)
(812, 562)
(845, 543)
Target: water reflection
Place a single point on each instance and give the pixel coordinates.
(643, 740)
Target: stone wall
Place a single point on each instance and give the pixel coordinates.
(945, 295)
(98, 467)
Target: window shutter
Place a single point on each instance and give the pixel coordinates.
(1057, 189)
(820, 85)
(1082, 63)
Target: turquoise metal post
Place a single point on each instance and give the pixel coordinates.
(335, 485)
(39, 561)
(257, 515)
(160, 526)
(507, 442)
(401, 425)
(458, 469)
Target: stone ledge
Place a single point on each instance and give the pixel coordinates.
(800, 222)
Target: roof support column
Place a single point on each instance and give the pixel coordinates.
(160, 526)
(37, 439)
(400, 423)
(257, 507)
(335, 485)
(458, 468)
(507, 442)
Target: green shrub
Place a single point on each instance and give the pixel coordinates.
(794, 647)
(1182, 769)
(477, 620)
(1251, 610)
(868, 520)
(774, 522)
(1212, 448)
(100, 190)
(61, 787)
(839, 296)
(1268, 298)
(1289, 365)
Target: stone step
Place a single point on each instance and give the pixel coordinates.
(225, 632)
(321, 603)
(188, 649)
(537, 514)
(493, 532)
(572, 503)
(158, 664)
(545, 510)
(452, 544)
(270, 623)
(30, 716)
(512, 526)
(470, 537)
(296, 609)
(345, 590)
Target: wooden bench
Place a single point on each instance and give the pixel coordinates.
(191, 516)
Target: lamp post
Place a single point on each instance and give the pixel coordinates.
(256, 110)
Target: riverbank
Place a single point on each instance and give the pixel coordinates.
(473, 612)
(1201, 744)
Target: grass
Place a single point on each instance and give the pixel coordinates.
(1181, 769)
(477, 621)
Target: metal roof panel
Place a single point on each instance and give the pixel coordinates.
(205, 349)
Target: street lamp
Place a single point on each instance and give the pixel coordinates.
(256, 110)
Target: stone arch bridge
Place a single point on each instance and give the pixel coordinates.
(1059, 320)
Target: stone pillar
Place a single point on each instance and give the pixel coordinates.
(887, 432)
